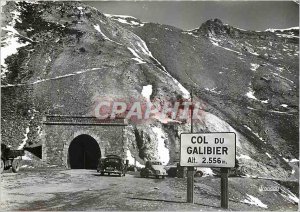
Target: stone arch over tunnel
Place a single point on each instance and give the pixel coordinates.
(84, 152)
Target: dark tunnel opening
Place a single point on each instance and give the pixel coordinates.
(84, 153)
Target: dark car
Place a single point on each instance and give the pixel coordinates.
(153, 168)
(10, 158)
(112, 164)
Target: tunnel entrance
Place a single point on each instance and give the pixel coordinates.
(84, 153)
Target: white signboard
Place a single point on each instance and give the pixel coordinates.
(208, 149)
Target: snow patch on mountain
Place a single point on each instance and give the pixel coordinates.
(162, 150)
(279, 112)
(268, 155)
(215, 41)
(254, 53)
(138, 60)
(118, 16)
(285, 33)
(288, 195)
(11, 47)
(294, 160)
(137, 57)
(284, 105)
(246, 157)
(10, 44)
(125, 19)
(282, 30)
(213, 90)
(291, 161)
(190, 33)
(97, 27)
(250, 94)
(254, 201)
(130, 23)
(287, 36)
(27, 156)
(254, 66)
(256, 134)
(278, 75)
(293, 197)
(81, 10)
(25, 139)
(132, 160)
(147, 91)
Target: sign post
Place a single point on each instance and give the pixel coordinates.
(190, 184)
(216, 150)
(224, 188)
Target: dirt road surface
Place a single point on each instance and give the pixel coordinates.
(58, 189)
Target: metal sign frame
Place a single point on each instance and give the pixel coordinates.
(209, 133)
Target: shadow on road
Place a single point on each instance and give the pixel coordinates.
(112, 175)
(170, 201)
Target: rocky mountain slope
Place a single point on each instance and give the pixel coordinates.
(59, 57)
(247, 78)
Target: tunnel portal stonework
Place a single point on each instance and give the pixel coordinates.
(60, 131)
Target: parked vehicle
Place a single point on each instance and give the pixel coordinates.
(181, 172)
(10, 158)
(153, 168)
(239, 170)
(172, 172)
(112, 164)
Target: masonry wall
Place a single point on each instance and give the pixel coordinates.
(57, 139)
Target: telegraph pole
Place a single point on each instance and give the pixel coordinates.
(190, 171)
(192, 111)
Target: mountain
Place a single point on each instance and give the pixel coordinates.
(61, 62)
(249, 79)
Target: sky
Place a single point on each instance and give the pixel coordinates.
(249, 15)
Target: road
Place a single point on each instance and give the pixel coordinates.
(58, 189)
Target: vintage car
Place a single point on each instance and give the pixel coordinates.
(153, 168)
(112, 164)
(10, 158)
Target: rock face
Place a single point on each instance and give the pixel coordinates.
(62, 62)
